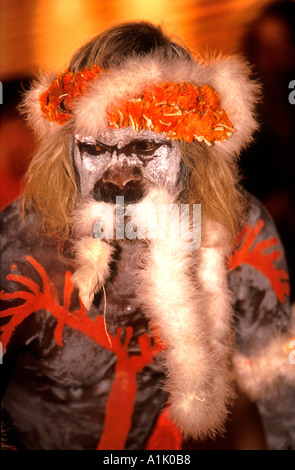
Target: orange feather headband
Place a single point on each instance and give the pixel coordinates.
(181, 110)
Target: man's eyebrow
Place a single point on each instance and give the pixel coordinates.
(155, 141)
(121, 147)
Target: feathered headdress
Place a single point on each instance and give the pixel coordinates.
(207, 101)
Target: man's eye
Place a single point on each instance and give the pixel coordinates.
(144, 146)
(91, 149)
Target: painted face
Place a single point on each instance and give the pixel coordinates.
(122, 162)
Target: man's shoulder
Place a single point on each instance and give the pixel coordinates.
(10, 213)
(21, 237)
(257, 211)
(258, 275)
(17, 228)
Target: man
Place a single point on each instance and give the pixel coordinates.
(141, 288)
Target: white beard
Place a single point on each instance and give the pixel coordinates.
(185, 295)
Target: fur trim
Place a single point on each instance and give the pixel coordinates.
(87, 213)
(30, 106)
(196, 356)
(93, 256)
(239, 95)
(184, 293)
(267, 367)
(229, 77)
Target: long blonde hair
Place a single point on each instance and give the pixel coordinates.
(51, 183)
(214, 182)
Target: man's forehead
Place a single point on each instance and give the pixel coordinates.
(122, 137)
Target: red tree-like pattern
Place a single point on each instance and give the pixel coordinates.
(118, 411)
(262, 257)
(124, 385)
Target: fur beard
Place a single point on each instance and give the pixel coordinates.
(184, 293)
(92, 256)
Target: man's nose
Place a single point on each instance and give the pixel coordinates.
(121, 175)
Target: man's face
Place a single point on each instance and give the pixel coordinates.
(122, 162)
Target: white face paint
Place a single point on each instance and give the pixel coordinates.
(124, 162)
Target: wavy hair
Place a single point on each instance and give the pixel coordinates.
(215, 184)
(52, 188)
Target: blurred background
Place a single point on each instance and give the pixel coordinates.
(38, 33)
(44, 34)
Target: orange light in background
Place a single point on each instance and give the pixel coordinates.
(59, 28)
(153, 10)
(172, 15)
(47, 32)
(62, 10)
(62, 26)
